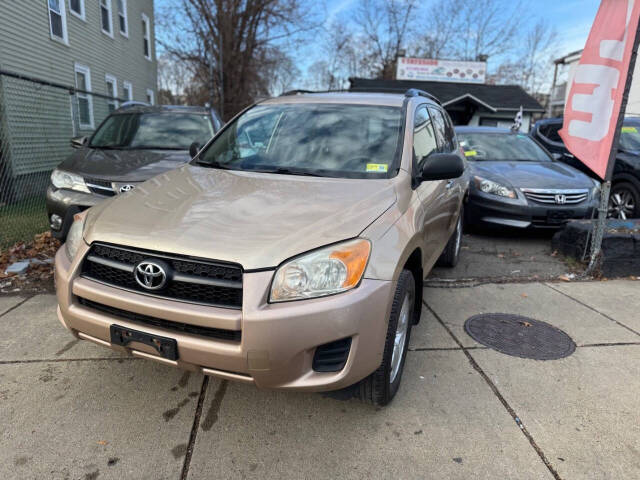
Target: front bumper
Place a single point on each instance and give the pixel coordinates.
(66, 203)
(493, 211)
(278, 341)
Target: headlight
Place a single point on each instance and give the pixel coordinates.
(488, 186)
(74, 237)
(322, 272)
(68, 180)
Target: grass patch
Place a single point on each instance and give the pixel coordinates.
(19, 222)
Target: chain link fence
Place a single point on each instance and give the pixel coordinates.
(37, 121)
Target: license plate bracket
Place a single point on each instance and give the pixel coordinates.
(165, 346)
(559, 216)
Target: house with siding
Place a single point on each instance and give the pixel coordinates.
(64, 65)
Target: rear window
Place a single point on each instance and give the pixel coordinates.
(501, 147)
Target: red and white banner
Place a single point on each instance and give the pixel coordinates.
(595, 95)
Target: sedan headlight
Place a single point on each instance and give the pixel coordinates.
(489, 186)
(68, 180)
(322, 272)
(74, 237)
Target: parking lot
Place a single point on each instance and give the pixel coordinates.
(72, 410)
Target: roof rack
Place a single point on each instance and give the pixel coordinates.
(415, 92)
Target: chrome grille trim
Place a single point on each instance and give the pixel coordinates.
(548, 196)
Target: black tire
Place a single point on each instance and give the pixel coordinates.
(377, 388)
(451, 253)
(621, 194)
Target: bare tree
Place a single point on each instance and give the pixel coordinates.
(385, 25)
(232, 46)
(530, 67)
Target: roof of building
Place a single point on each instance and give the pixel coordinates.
(493, 97)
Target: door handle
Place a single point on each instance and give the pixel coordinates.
(450, 184)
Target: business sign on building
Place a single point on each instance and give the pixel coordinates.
(426, 69)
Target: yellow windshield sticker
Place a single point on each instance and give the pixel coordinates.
(629, 130)
(470, 153)
(377, 167)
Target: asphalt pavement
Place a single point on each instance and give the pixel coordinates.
(74, 410)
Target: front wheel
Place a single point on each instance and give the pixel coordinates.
(380, 387)
(624, 201)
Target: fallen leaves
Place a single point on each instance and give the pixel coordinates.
(40, 251)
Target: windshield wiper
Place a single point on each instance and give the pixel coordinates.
(108, 147)
(287, 171)
(214, 165)
(155, 147)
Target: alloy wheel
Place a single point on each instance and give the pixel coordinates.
(400, 339)
(621, 204)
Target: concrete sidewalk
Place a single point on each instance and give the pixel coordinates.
(71, 409)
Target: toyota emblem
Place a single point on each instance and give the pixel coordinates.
(151, 275)
(127, 188)
(561, 199)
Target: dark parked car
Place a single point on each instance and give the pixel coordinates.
(133, 144)
(624, 201)
(517, 183)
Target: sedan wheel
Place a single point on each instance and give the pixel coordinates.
(623, 202)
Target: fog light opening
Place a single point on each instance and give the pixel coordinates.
(56, 222)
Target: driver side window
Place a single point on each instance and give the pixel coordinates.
(424, 138)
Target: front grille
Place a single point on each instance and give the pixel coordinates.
(556, 197)
(189, 280)
(101, 187)
(221, 334)
(332, 357)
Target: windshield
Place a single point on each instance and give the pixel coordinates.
(166, 131)
(353, 141)
(630, 138)
(501, 147)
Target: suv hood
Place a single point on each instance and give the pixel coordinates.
(123, 165)
(553, 175)
(255, 219)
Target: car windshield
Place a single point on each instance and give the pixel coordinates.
(331, 140)
(166, 131)
(630, 138)
(512, 147)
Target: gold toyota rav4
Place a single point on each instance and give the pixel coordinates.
(289, 253)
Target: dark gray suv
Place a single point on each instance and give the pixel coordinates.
(131, 145)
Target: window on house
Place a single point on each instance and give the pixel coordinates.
(85, 102)
(127, 91)
(150, 99)
(146, 37)
(105, 17)
(122, 17)
(112, 91)
(77, 8)
(57, 20)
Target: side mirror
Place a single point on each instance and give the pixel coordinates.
(442, 166)
(557, 156)
(194, 148)
(79, 142)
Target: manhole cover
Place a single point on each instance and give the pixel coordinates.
(520, 336)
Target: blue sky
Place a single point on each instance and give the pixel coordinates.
(571, 18)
